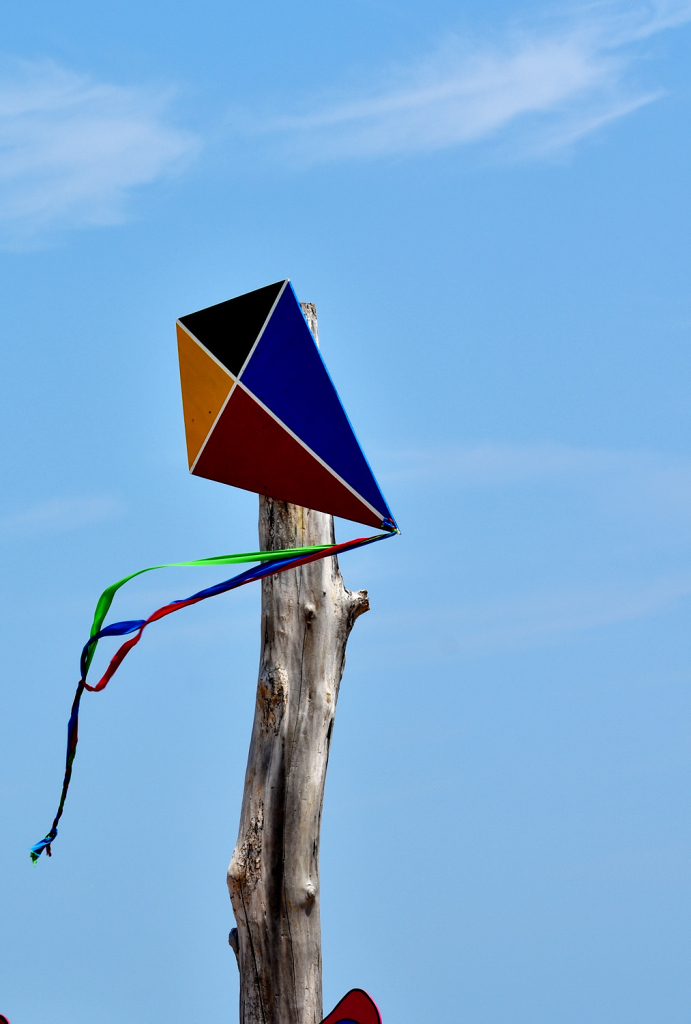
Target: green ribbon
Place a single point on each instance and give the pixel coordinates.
(106, 599)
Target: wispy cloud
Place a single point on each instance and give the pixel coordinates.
(495, 463)
(552, 539)
(533, 618)
(640, 498)
(538, 89)
(488, 463)
(56, 515)
(73, 149)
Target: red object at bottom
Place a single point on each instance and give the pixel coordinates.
(3, 1020)
(355, 1008)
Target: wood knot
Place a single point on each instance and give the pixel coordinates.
(358, 601)
(234, 943)
(309, 898)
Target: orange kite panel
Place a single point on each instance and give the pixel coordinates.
(205, 387)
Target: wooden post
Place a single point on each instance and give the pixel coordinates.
(273, 878)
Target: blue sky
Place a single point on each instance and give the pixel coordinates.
(489, 206)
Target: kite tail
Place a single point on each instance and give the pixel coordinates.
(72, 737)
(270, 566)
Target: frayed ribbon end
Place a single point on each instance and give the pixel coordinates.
(45, 844)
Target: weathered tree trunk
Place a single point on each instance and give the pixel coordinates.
(273, 878)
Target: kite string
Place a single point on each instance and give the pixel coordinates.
(270, 565)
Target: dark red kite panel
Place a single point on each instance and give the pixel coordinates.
(252, 450)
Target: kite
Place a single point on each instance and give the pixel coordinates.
(355, 1008)
(261, 413)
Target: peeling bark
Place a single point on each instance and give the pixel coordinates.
(273, 878)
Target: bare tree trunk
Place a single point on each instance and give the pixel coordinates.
(273, 878)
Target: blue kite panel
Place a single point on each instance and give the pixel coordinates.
(287, 373)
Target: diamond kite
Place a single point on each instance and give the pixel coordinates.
(262, 413)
